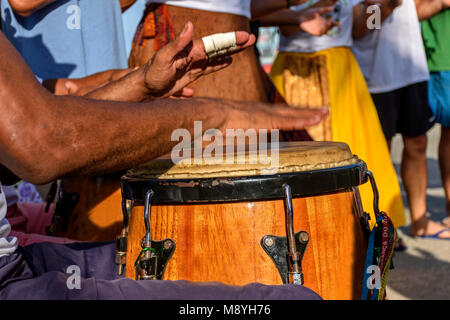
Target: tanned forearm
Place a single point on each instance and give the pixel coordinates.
(43, 136)
(130, 88)
(27, 7)
(86, 84)
(279, 18)
(260, 8)
(426, 9)
(360, 16)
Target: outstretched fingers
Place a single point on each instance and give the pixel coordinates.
(220, 45)
(244, 40)
(298, 118)
(209, 49)
(175, 48)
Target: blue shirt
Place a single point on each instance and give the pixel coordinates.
(68, 38)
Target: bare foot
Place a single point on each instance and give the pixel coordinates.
(428, 228)
(446, 222)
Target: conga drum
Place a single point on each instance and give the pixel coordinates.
(97, 215)
(299, 222)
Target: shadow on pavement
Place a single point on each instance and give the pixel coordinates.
(419, 274)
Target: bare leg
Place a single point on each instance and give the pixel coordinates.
(400, 244)
(414, 175)
(444, 163)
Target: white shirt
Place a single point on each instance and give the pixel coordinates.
(336, 37)
(238, 7)
(393, 57)
(7, 244)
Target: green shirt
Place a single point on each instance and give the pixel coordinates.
(436, 38)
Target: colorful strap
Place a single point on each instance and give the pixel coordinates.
(379, 253)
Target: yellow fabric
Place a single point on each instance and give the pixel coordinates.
(354, 120)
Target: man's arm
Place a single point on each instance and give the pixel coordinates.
(426, 9)
(310, 20)
(81, 86)
(43, 137)
(25, 8)
(360, 14)
(261, 8)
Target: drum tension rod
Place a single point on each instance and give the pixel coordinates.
(295, 274)
(122, 239)
(155, 255)
(147, 256)
(376, 195)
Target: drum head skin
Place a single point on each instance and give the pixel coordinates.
(310, 168)
(289, 157)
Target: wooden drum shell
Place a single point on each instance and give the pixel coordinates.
(98, 215)
(221, 241)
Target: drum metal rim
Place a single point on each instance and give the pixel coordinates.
(249, 188)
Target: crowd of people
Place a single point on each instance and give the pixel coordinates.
(73, 103)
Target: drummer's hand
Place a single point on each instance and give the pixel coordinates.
(312, 21)
(183, 61)
(265, 116)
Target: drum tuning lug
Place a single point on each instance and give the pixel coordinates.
(303, 237)
(268, 241)
(121, 252)
(152, 261)
(168, 244)
(278, 250)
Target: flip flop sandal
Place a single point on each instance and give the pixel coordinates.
(435, 236)
(446, 222)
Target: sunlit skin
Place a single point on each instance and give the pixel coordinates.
(43, 136)
(361, 14)
(167, 73)
(426, 9)
(310, 20)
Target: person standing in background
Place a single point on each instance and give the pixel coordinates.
(315, 71)
(435, 17)
(57, 46)
(392, 59)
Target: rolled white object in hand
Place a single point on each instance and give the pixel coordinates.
(219, 44)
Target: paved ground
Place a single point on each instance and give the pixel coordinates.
(422, 271)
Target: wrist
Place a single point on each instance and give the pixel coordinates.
(137, 87)
(145, 83)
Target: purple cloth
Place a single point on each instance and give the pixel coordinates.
(39, 272)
